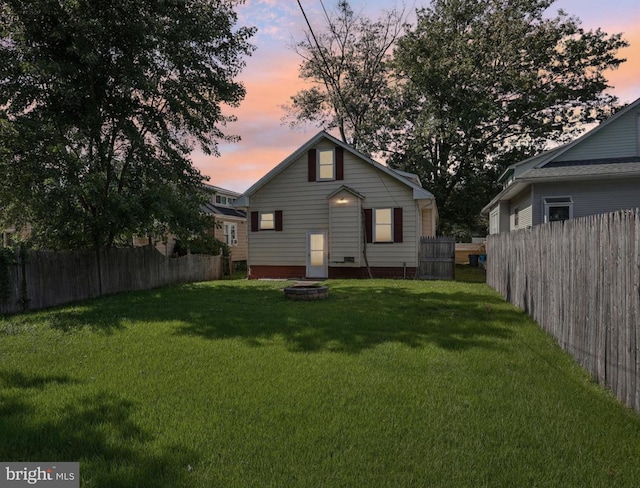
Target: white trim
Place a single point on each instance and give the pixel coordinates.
(321, 271)
(319, 166)
(560, 201)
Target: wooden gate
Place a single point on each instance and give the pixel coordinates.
(437, 258)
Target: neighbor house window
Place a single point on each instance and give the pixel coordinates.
(493, 222)
(516, 217)
(224, 200)
(231, 233)
(557, 208)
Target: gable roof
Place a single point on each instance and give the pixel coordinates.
(418, 192)
(544, 167)
(348, 189)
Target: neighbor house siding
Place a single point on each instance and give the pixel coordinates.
(428, 223)
(588, 198)
(614, 140)
(305, 207)
(523, 203)
(239, 251)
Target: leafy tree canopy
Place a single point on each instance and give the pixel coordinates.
(347, 61)
(488, 84)
(102, 101)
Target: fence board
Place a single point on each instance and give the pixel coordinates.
(580, 280)
(49, 278)
(437, 256)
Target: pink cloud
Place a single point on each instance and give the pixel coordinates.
(271, 78)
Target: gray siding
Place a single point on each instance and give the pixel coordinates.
(345, 229)
(305, 207)
(525, 216)
(618, 139)
(589, 197)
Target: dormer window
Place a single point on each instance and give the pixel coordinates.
(222, 200)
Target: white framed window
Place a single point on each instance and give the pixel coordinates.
(267, 221)
(326, 164)
(516, 217)
(493, 222)
(222, 200)
(557, 209)
(383, 225)
(231, 233)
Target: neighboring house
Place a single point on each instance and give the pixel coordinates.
(232, 225)
(233, 221)
(328, 211)
(597, 173)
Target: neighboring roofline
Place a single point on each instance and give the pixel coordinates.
(218, 189)
(593, 131)
(520, 184)
(243, 200)
(512, 167)
(506, 194)
(552, 154)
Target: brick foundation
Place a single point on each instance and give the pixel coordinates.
(284, 272)
(299, 272)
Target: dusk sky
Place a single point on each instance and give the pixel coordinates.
(271, 78)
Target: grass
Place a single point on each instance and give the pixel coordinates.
(384, 384)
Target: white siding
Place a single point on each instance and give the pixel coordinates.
(305, 207)
(523, 203)
(618, 139)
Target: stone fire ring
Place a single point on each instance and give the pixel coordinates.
(306, 291)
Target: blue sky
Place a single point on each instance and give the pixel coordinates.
(271, 77)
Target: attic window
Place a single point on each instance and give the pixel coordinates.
(326, 165)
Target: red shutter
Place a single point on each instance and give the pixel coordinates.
(339, 163)
(311, 164)
(397, 224)
(278, 217)
(254, 222)
(368, 224)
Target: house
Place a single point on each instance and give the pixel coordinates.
(233, 221)
(597, 173)
(232, 229)
(328, 211)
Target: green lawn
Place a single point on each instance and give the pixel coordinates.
(384, 384)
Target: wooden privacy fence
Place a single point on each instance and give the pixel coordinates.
(437, 258)
(43, 279)
(580, 281)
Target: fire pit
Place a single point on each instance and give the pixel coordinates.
(306, 291)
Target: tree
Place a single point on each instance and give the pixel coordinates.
(488, 84)
(348, 64)
(101, 104)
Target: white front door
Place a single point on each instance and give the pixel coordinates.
(316, 254)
